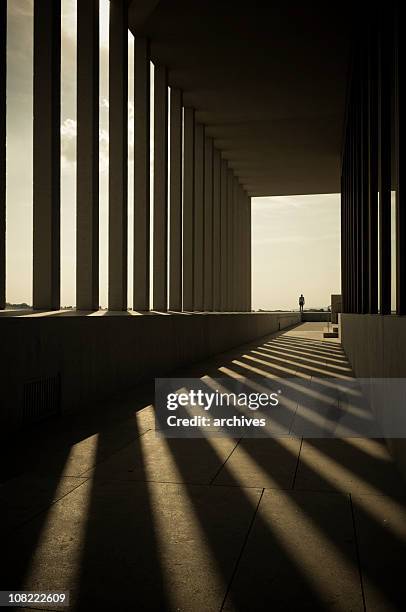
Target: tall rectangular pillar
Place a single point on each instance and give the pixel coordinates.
(188, 207)
(142, 172)
(208, 225)
(384, 163)
(240, 250)
(118, 154)
(373, 175)
(87, 157)
(230, 239)
(216, 230)
(247, 240)
(224, 230)
(400, 141)
(160, 247)
(249, 259)
(3, 81)
(198, 243)
(364, 189)
(47, 156)
(236, 248)
(175, 191)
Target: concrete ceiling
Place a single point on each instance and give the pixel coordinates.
(267, 79)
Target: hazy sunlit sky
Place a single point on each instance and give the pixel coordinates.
(295, 246)
(296, 249)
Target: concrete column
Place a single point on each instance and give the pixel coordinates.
(247, 247)
(235, 249)
(160, 247)
(372, 184)
(230, 239)
(142, 172)
(47, 158)
(244, 250)
(249, 276)
(118, 154)
(384, 161)
(198, 244)
(224, 235)
(216, 230)
(87, 169)
(175, 190)
(188, 206)
(3, 81)
(208, 225)
(400, 163)
(241, 250)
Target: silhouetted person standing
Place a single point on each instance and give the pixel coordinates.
(301, 302)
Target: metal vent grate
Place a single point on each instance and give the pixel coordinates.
(41, 399)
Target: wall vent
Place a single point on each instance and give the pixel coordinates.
(42, 399)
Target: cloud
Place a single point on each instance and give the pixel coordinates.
(68, 144)
(68, 140)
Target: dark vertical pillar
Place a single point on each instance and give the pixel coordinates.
(87, 167)
(198, 243)
(224, 234)
(385, 168)
(188, 206)
(240, 251)
(373, 170)
(47, 157)
(175, 189)
(3, 81)
(208, 225)
(236, 247)
(364, 184)
(160, 247)
(142, 172)
(249, 258)
(216, 230)
(343, 236)
(118, 138)
(352, 220)
(230, 238)
(400, 131)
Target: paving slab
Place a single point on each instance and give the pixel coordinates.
(134, 545)
(381, 533)
(300, 555)
(23, 497)
(261, 462)
(159, 459)
(353, 465)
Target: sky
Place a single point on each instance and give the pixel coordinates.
(295, 239)
(295, 249)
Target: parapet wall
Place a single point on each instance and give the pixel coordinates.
(74, 360)
(376, 348)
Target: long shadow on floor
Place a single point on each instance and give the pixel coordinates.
(284, 548)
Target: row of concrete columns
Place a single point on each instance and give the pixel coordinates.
(371, 171)
(205, 265)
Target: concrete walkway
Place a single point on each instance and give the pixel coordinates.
(125, 520)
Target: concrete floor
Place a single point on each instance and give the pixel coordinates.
(124, 520)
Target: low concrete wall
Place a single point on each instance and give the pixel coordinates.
(316, 316)
(97, 356)
(376, 348)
